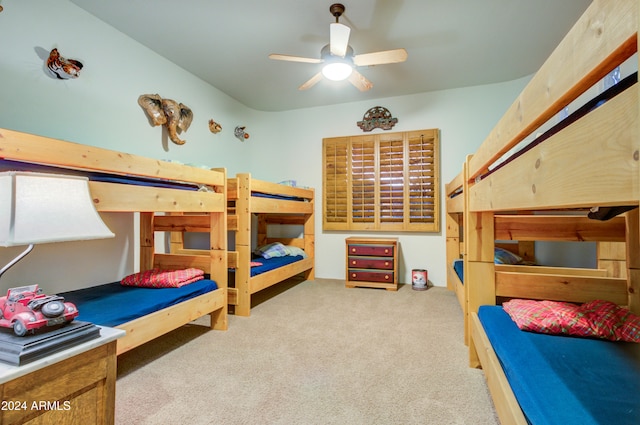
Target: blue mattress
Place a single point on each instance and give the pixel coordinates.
(458, 267)
(113, 304)
(273, 263)
(275, 196)
(566, 380)
(9, 165)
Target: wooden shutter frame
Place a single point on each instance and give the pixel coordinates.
(406, 225)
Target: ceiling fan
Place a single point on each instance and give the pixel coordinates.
(338, 57)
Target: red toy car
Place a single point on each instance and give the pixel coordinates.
(26, 308)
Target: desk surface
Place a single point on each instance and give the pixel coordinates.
(9, 372)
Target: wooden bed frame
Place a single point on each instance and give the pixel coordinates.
(148, 201)
(517, 232)
(242, 205)
(592, 162)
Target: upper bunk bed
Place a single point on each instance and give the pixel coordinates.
(271, 204)
(540, 377)
(120, 182)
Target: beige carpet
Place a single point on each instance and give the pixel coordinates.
(316, 353)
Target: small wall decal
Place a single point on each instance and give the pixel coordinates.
(61, 68)
(241, 134)
(377, 117)
(175, 116)
(214, 127)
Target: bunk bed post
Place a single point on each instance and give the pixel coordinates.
(243, 245)
(633, 259)
(309, 239)
(262, 230)
(452, 244)
(633, 226)
(465, 249)
(218, 245)
(147, 241)
(479, 268)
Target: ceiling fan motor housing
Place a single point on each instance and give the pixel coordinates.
(336, 10)
(326, 55)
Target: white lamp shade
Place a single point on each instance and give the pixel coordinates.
(40, 208)
(337, 71)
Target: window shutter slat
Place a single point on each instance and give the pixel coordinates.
(363, 181)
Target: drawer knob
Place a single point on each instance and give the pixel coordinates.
(353, 275)
(386, 276)
(353, 250)
(386, 251)
(353, 262)
(386, 263)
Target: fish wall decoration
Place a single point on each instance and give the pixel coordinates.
(61, 68)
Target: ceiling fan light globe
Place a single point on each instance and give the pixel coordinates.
(337, 71)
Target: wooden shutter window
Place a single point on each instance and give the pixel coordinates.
(382, 182)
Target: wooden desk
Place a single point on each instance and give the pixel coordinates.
(73, 386)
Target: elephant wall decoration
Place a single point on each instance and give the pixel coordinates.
(167, 112)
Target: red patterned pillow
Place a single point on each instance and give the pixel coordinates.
(550, 317)
(156, 278)
(599, 319)
(612, 322)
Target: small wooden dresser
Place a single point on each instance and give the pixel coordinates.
(372, 263)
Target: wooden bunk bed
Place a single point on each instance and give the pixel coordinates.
(454, 192)
(455, 244)
(271, 204)
(517, 232)
(110, 184)
(591, 162)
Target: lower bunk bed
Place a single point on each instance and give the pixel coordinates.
(556, 379)
(514, 250)
(154, 190)
(147, 313)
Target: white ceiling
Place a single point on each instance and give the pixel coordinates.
(450, 43)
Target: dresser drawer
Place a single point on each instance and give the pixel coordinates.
(370, 249)
(370, 275)
(384, 263)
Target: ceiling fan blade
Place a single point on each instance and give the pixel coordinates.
(360, 81)
(311, 82)
(338, 39)
(380, 58)
(290, 58)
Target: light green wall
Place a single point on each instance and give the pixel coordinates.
(100, 108)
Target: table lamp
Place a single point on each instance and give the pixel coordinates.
(41, 208)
